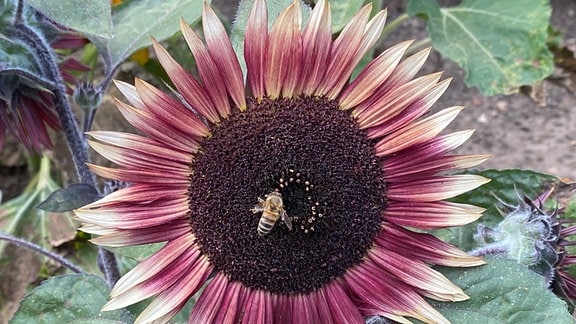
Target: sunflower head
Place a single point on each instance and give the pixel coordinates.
(295, 187)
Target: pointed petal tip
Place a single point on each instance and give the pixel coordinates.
(111, 305)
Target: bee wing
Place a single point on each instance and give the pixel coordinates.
(286, 219)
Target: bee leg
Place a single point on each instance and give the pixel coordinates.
(259, 206)
(257, 209)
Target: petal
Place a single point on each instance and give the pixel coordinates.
(349, 58)
(141, 176)
(382, 294)
(403, 73)
(422, 246)
(412, 112)
(435, 188)
(394, 102)
(138, 160)
(434, 148)
(160, 233)
(174, 258)
(141, 145)
(192, 91)
(412, 170)
(255, 45)
(431, 215)
(170, 301)
(283, 39)
(372, 76)
(170, 110)
(210, 75)
(135, 216)
(316, 43)
(418, 132)
(223, 54)
(157, 129)
(207, 306)
(417, 274)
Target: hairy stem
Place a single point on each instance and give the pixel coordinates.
(74, 138)
(30, 76)
(390, 27)
(36, 248)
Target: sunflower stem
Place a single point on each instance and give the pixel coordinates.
(417, 46)
(36, 248)
(74, 138)
(19, 11)
(389, 28)
(30, 76)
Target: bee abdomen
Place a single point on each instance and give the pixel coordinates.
(266, 223)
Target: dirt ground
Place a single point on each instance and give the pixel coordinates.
(516, 130)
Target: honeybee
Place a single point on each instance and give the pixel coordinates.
(272, 209)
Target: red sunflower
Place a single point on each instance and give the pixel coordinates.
(354, 164)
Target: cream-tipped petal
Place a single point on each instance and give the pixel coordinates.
(293, 47)
(140, 176)
(403, 73)
(171, 300)
(133, 159)
(170, 110)
(418, 132)
(369, 38)
(394, 102)
(418, 275)
(343, 50)
(223, 54)
(436, 188)
(431, 215)
(161, 233)
(157, 129)
(412, 169)
(414, 111)
(284, 52)
(129, 91)
(190, 89)
(316, 43)
(140, 145)
(255, 45)
(423, 246)
(171, 272)
(373, 284)
(210, 75)
(372, 76)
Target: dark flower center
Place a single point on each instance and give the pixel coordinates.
(327, 175)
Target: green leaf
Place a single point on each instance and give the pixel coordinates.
(342, 11)
(135, 22)
(88, 17)
(20, 218)
(503, 185)
(137, 252)
(502, 292)
(500, 44)
(72, 197)
(75, 298)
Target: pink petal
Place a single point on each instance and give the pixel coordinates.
(255, 45)
(222, 53)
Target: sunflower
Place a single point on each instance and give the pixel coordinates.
(27, 109)
(290, 196)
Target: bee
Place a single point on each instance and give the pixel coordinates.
(272, 209)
